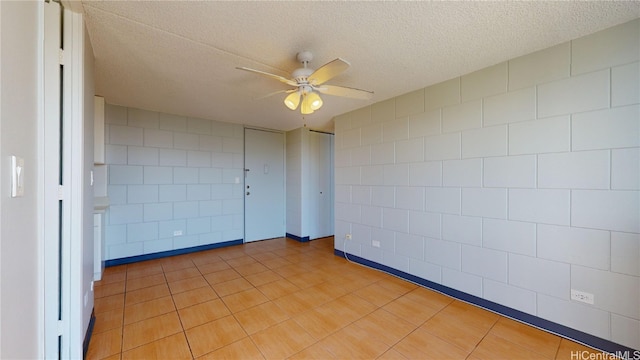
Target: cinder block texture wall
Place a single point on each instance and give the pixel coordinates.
(515, 183)
(174, 182)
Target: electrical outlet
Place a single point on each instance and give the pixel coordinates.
(177, 233)
(375, 243)
(582, 296)
(347, 236)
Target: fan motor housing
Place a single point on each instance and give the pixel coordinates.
(300, 75)
(305, 89)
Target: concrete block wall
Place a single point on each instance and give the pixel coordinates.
(516, 183)
(170, 175)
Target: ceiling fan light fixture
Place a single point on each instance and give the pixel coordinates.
(315, 102)
(305, 108)
(292, 100)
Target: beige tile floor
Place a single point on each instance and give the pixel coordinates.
(279, 299)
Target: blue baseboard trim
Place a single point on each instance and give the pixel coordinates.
(298, 238)
(162, 254)
(88, 334)
(561, 330)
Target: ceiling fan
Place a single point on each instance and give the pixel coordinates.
(308, 83)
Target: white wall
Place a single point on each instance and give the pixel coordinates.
(171, 173)
(20, 266)
(515, 183)
(1, 175)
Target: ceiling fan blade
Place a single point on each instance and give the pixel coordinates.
(328, 71)
(273, 76)
(345, 91)
(275, 93)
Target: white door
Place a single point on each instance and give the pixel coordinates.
(320, 185)
(264, 185)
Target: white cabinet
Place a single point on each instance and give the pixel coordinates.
(98, 130)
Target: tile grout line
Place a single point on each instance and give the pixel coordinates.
(184, 331)
(484, 336)
(302, 256)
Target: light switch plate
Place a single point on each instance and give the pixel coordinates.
(17, 176)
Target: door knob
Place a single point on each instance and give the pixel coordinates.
(248, 193)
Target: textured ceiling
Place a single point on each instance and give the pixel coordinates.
(180, 57)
